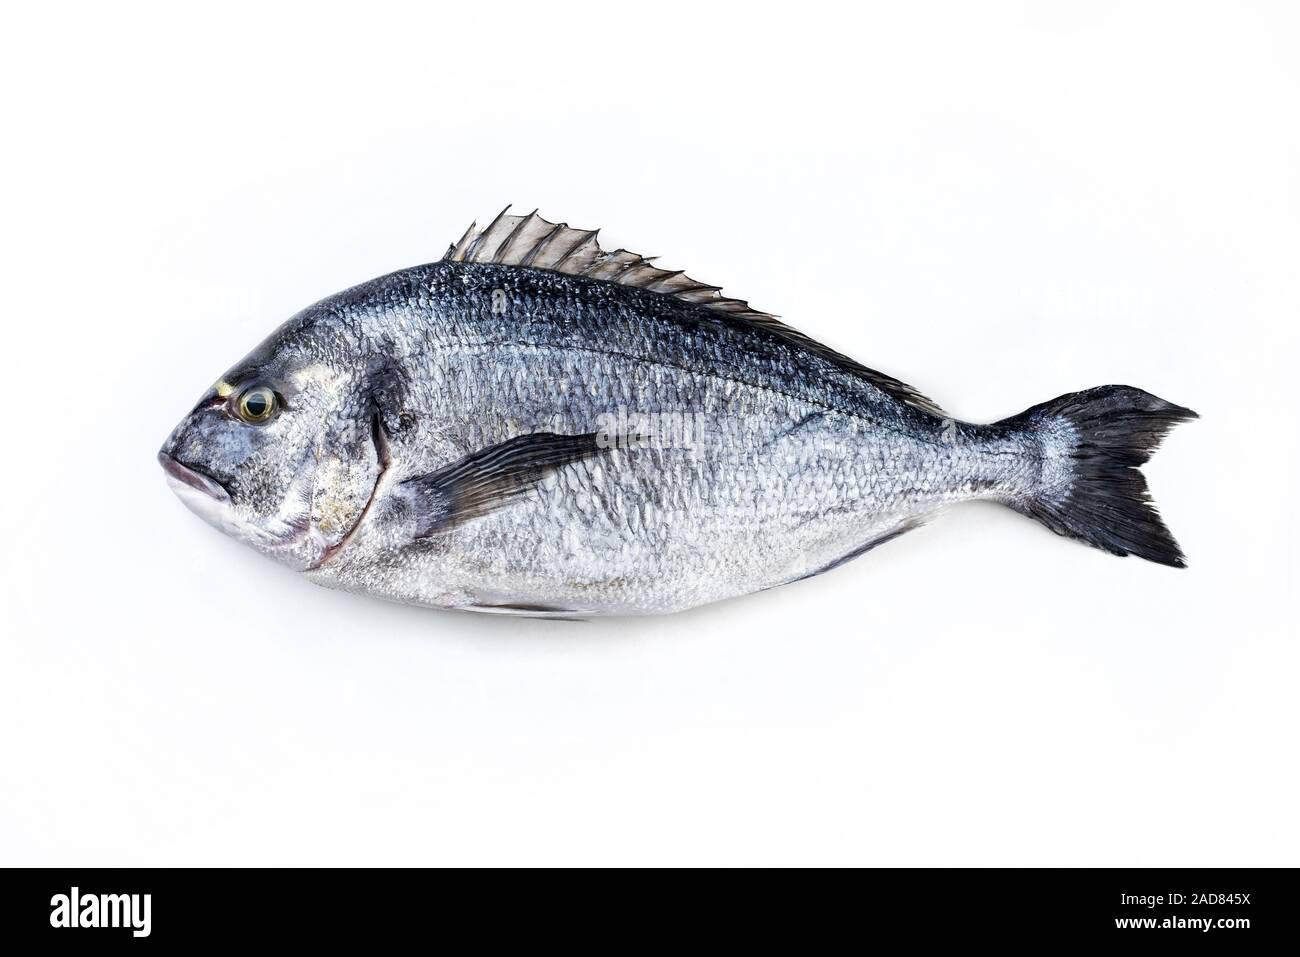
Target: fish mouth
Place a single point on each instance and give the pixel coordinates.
(178, 473)
(293, 542)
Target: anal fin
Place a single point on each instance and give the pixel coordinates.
(900, 529)
(525, 610)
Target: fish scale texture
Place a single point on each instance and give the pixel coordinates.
(796, 463)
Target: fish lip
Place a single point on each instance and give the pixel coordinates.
(187, 475)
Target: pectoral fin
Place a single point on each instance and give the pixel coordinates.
(489, 479)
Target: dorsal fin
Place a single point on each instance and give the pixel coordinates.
(536, 243)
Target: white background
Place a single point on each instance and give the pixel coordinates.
(996, 202)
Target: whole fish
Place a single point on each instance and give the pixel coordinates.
(535, 425)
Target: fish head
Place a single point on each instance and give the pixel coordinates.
(284, 451)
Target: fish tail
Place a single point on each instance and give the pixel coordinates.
(1089, 487)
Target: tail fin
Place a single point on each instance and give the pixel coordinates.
(1091, 489)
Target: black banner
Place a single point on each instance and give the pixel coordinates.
(98, 908)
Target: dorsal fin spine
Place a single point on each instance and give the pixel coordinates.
(633, 265)
(460, 243)
(666, 277)
(541, 245)
(582, 241)
(473, 247)
(504, 248)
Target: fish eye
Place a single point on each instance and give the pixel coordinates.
(256, 404)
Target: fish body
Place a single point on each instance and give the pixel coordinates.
(533, 425)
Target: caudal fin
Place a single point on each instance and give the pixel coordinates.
(1090, 489)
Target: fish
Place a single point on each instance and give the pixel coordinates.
(536, 425)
